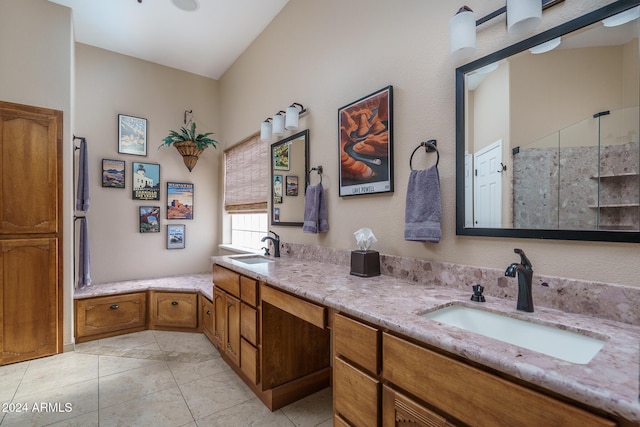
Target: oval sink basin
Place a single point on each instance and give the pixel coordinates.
(252, 259)
(559, 343)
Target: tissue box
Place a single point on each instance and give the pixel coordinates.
(365, 263)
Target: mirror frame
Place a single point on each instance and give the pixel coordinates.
(570, 26)
(304, 133)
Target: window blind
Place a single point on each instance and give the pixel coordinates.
(246, 187)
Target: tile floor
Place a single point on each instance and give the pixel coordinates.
(149, 378)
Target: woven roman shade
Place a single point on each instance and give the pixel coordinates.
(246, 185)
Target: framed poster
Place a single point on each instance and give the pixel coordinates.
(175, 236)
(113, 173)
(179, 200)
(291, 185)
(281, 157)
(132, 135)
(145, 181)
(366, 144)
(149, 219)
(277, 189)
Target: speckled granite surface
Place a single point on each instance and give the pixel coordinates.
(610, 381)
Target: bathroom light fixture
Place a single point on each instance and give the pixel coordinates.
(546, 46)
(276, 125)
(622, 17)
(522, 17)
(186, 5)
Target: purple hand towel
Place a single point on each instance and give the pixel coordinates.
(315, 210)
(423, 209)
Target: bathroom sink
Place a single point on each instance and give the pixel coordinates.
(546, 339)
(252, 259)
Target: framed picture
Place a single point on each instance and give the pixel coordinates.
(113, 173)
(277, 189)
(175, 236)
(366, 144)
(145, 181)
(179, 200)
(276, 214)
(149, 219)
(292, 185)
(132, 135)
(281, 157)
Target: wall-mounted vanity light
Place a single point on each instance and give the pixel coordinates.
(622, 17)
(280, 121)
(523, 16)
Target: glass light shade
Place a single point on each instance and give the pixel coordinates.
(265, 131)
(462, 34)
(278, 124)
(546, 46)
(186, 5)
(523, 16)
(291, 122)
(622, 17)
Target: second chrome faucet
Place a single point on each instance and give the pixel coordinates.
(524, 271)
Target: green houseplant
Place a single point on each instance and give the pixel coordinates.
(189, 144)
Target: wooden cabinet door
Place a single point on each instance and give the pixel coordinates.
(219, 318)
(232, 347)
(399, 410)
(106, 316)
(30, 138)
(173, 310)
(28, 299)
(206, 317)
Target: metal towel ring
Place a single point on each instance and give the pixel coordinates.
(319, 169)
(429, 146)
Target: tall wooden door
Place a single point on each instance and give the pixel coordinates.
(30, 232)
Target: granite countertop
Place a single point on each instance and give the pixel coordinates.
(610, 381)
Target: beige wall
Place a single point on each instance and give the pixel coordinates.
(36, 47)
(327, 54)
(108, 84)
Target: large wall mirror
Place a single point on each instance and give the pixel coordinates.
(289, 166)
(547, 133)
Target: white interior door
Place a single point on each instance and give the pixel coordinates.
(488, 186)
(468, 190)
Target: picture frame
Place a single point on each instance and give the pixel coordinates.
(291, 182)
(179, 200)
(149, 219)
(145, 181)
(176, 236)
(113, 173)
(366, 144)
(276, 214)
(132, 135)
(277, 188)
(281, 157)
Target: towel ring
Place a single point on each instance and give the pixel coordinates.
(318, 169)
(429, 146)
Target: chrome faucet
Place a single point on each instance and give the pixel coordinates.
(276, 243)
(525, 277)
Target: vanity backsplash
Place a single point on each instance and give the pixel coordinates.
(607, 301)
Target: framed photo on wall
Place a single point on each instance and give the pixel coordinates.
(366, 144)
(149, 219)
(281, 157)
(175, 236)
(145, 181)
(113, 173)
(179, 200)
(277, 189)
(291, 185)
(132, 135)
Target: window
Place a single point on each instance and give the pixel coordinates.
(246, 191)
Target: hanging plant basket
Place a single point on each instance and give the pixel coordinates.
(189, 152)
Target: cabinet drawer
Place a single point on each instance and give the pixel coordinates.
(206, 316)
(172, 309)
(227, 280)
(248, 324)
(307, 311)
(249, 361)
(395, 407)
(356, 342)
(471, 395)
(355, 395)
(101, 315)
(249, 291)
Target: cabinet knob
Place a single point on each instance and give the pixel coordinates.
(208, 312)
(174, 303)
(114, 307)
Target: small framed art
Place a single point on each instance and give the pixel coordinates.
(179, 200)
(281, 157)
(175, 236)
(291, 185)
(113, 173)
(277, 189)
(146, 181)
(149, 219)
(132, 135)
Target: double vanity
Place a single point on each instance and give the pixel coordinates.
(395, 350)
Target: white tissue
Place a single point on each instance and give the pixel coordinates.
(365, 238)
